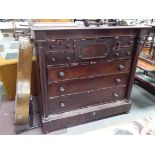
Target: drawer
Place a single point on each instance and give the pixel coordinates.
(59, 44)
(124, 41)
(63, 57)
(93, 49)
(80, 116)
(85, 84)
(86, 70)
(85, 99)
(122, 52)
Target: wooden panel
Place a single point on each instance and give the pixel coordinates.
(85, 84)
(85, 70)
(89, 49)
(84, 99)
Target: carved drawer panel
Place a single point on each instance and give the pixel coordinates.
(63, 57)
(59, 44)
(86, 70)
(93, 49)
(85, 84)
(85, 99)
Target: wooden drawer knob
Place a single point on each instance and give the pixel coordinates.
(118, 43)
(53, 59)
(68, 58)
(121, 67)
(61, 89)
(130, 42)
(68, 45)
(51, 46)
(116, 54)
(93, 113)
(128, 53)
(118, 80)
(62, 105)
(116, 95)
(61, 74)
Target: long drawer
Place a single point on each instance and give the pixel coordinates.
(80, 116)
(86, 70)
(84, 99)
(85, 84)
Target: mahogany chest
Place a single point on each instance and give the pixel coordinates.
(85, 74)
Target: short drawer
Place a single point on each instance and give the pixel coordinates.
(124, 41)
(85, 99)
(86, 70)
(63, 57)
(85, 84)
(59, 44)
(122, 52)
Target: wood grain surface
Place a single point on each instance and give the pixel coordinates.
(23, 87)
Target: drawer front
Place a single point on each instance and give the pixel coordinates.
(63, 57)
(85, 84)
(93, 49)
(86, 70)
(124, 41)
(85, 99)
(64, 120)
(122, 52)
(59, 44)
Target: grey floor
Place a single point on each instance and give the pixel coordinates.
(143, 106)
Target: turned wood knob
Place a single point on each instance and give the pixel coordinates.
(128, 53)
(53, 59)
(118, 43)
(68, 58)
(61, 89)
(118, 80)
(116, 95)
(68, 45)
(130, 42)
(51, 46)
(116, 54)
(61, 74)
(93, 113)
(62, 105)
(121, 67)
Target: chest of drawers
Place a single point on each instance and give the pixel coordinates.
(85, 74)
